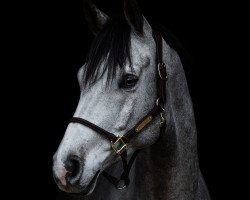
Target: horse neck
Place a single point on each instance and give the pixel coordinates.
(166, 170)
(169, 168)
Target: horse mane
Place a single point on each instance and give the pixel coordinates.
(112, 47)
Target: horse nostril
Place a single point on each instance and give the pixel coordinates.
(72, 166)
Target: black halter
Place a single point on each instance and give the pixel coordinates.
(119, 143)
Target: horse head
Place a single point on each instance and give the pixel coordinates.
(118, 88)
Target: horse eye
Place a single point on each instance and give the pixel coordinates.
(128, 81)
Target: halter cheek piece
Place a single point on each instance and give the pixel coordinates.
(119, 143)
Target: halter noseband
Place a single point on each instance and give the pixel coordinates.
(119, 143)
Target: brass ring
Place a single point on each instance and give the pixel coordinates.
(158, 105)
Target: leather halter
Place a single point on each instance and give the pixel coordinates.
(119, 143)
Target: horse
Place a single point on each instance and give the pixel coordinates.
(133, 84)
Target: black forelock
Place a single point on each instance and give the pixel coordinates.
(110, 47)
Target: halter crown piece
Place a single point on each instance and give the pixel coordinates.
(119, 143)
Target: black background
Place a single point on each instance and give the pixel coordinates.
(48, 44)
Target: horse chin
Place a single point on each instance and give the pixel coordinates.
(91, 186)
(82, 191)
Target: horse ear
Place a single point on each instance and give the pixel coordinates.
(133, 15)
(95, 18)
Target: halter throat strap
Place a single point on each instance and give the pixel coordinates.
(119, 143)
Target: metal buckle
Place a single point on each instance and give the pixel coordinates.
(163, 119)
(162, 66)
(118, 145)
(121, 185)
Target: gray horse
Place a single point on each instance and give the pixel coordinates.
(118, 88)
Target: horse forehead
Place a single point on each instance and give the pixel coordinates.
(142, 48)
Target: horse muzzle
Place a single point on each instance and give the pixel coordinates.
(67, 174)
